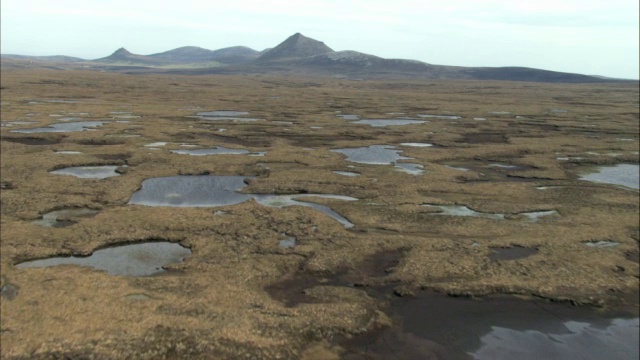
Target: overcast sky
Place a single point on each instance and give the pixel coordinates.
(595, 37)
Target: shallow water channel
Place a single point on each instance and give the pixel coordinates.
(461, 210)
(213, 191)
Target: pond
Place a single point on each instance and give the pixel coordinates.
(445, 117)
(224, 115)
(461, 210)
(436, 326)
(416, 144)
(89, 172)
(213, 191)
(63, 127)
(622, 174)
(413, 169)
(126, 260)
(374, 154)
(62, 218)
(219, 150)
(346, 173)
(388, 122)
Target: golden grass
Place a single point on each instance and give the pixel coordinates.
(217, 303)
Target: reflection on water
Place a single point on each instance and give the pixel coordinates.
(435, 326)
(581, 340)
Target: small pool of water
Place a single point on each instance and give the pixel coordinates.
(459, 168)
(416, 144)
(388, 122)
(157, 144)
(504, 166)
(63, 127)
(461, 210)
(445, 117)
(62, 218)
(17, 122)
(413, 169)
(602, 244)
(346, 173)
(89, 172)
(348, 117)
(68, 152)
(224, 115)
(213, 191)
(627, 175)
(219, 150)
(126, 260)
(374, 154)
(287, 242)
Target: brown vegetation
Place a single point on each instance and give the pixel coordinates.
(220, 301)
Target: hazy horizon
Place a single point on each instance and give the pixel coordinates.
(586, 37)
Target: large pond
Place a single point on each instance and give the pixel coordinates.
(127, 260)
(434, 326)
(621, 174)
(213, 191)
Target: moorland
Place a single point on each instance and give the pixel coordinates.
(513, 152)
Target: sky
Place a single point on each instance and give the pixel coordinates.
(593, 37)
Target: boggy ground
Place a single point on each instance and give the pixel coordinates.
(241, 295)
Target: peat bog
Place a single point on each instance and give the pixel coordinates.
(292, 218)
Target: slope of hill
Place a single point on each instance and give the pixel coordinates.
(58, 58)
(123, 56)
(194, 54)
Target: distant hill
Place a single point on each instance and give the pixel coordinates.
(123, 56)
(194, 54)
(58, 58)
(295, 46)
(296, 55)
